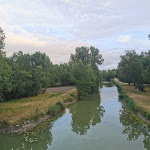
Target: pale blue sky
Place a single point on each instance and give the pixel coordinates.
(57, 27)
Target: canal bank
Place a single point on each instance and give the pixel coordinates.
(137, 100)
(26, 113)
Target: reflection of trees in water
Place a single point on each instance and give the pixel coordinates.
(86, 113)
(134, 128)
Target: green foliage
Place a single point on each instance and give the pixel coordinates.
(85, 70)
(109, 74)
(85, 79)
(54, 94)
(25, 75)
(61, 105)
(36, 115)
(145, 64)
(88, 55)
(134, 68)
(69, 99)
(54, 109)
(30, 74)
(5, 71)
(130, 101)
(4, 124)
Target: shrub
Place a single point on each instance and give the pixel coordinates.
(122, 96)
(36, 115)
(52, 110)
(61, 105)
(4, 123)
(69, 99)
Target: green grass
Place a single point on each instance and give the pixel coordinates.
(23, 109)
(136, 100)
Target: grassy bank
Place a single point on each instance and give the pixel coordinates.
(137, 100)
(32, 108)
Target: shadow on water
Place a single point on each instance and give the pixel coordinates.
(86, 113)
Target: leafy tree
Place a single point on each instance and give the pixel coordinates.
(31, 73)
(130, 69)
(82, 79)
(5, 70)
(146, 67)
(62, 75)
(85, 69)
(107, 75)
(88, 55)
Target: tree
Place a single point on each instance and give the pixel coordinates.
(31, 73)
(130, 69)
(107, 75)
(88, 55)
(5, 70)
(82, 79)
(145, 63)
(85, 69)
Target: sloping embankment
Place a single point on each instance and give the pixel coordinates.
(137, 100)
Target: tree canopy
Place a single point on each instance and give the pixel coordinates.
(134, 68)
(85, 69)
(25, 75)
(5, 70)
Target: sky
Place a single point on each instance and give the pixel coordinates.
(57, 27)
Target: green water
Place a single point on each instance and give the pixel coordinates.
(100, 122)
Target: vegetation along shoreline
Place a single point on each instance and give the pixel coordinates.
(130, 100)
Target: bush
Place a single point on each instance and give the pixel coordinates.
(52, 110)
(69, 99)
(36, 115)
(4, 124)
(122, 96)
(61, 105)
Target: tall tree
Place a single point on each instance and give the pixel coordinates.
(88, 55)
(146, 67)
(5, 70)
(85, 69)
(130, 69)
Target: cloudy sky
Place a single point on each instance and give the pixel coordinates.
(57, 27)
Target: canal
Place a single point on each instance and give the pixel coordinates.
(100, 122)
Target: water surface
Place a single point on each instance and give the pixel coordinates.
(100, 122)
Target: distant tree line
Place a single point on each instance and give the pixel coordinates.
(24, 75)
(135, 68)
(109, 74)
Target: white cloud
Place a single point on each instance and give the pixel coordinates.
(57, 49)
(124, 39)
(29, 25)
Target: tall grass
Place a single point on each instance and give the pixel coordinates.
(56, 108)
(130, 101)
